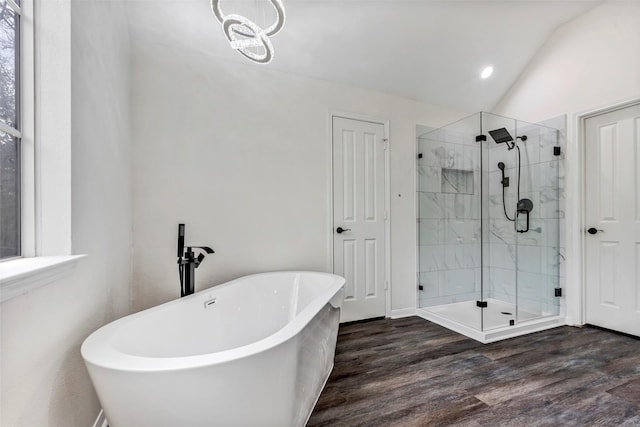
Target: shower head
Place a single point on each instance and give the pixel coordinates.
(501, 166)
(501, 135)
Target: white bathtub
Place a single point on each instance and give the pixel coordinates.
(255, 351)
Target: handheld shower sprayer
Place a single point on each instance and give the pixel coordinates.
(180, 240)
(505, 180)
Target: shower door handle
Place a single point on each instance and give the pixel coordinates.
(593, 230)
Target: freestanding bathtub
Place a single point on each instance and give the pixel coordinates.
(255, 351)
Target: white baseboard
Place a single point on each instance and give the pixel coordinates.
(101, 421)
(403, 312)
(573, 322)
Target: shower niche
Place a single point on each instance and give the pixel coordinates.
(488, 227)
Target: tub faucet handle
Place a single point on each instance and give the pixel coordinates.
(207, 249)
(201, 256)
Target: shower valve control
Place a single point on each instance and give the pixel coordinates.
(593, 230)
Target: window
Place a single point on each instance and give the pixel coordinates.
(35, 196)
(10, 129)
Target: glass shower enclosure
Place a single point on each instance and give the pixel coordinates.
(488, 227)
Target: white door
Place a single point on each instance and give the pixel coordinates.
(359, 209)
(613, 220)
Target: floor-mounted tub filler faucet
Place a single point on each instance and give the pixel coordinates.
(188, 262)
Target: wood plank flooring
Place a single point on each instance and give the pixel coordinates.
(410, 372)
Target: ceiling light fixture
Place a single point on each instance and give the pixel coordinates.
(246, 36)
(487, 72)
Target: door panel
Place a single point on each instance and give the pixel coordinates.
(349, 175)
(349, 268)
(609, 282)
(371, 268)
(608, 173)
(358, 207)
(612, 199)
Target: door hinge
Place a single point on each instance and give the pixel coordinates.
(558, 292)
(386, 143)
(556, 151)
(481, 137)
(481, 304)
(420, 288)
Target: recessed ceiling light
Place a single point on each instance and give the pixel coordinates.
(487, 72)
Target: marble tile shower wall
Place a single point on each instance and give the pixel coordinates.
(449, 218)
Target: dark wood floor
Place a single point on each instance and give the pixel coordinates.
(410, 372)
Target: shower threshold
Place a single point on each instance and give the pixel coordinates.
(465, 317)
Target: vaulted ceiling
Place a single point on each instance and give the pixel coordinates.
(426, 50)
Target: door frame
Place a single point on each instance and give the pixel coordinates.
(387, 194)
(579, 240)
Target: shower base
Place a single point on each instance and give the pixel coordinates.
(465, 318)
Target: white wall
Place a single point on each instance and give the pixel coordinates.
(44, 381)
(589, 63)
(241, 154)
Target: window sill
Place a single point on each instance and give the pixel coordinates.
(17, 277)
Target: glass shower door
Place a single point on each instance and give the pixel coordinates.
(449, 221)
(500, 249)
(538, 256)
(522, 222)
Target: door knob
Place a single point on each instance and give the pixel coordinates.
(593, 230)
(341, 230)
